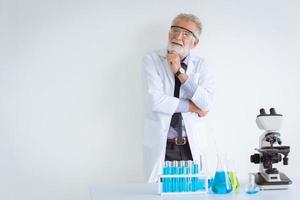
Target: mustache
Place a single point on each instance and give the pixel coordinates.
(177, 43)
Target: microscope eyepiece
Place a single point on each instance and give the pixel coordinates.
(262, 111)
(272, 111)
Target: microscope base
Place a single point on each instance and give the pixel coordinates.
(278, 185)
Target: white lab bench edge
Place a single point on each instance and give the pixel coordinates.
(145, 191)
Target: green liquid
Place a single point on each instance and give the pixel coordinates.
(234, 180)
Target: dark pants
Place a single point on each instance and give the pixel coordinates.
(178, 152)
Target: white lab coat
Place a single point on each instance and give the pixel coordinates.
(160, 104)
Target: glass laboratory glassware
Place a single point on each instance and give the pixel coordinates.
(251, 187)
(221, 183)
(190, 180)
(174, 181)
(232, 175)
(166, 181)
(185, 172)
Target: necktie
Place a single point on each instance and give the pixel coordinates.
(176, 121)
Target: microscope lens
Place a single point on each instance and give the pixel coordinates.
(272, 111)
(262, 111)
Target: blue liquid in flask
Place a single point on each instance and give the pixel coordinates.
(221, 183)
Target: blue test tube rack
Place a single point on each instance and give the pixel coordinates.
(183, 177)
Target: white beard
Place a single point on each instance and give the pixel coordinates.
(182, 52)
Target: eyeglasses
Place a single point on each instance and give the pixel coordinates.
(186, 34)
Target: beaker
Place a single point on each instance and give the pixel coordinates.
(221, 182)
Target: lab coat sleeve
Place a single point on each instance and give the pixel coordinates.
(153, 86)
(203, 95)
(183, 106)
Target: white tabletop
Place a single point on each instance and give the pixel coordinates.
(144, 191)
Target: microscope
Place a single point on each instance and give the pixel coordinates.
(270, 152)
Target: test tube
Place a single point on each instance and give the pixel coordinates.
(196, 167)
(194, 171)
(190, 183)
(181, 179)
(171, 179)
(167, 171)
(185, 179)
(176, 180)
(201, 163)
(163, 180)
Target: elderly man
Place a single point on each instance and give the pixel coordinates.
(178, 94)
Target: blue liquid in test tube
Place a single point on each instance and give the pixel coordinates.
(181, 179)
(194, 179)
(173, 180)
(190, 183)
(185, 179)
(177, 180)
(166, 181)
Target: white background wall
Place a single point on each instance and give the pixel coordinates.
(70, 101)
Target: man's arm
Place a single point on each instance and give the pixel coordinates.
(201, 93)
(196, 109)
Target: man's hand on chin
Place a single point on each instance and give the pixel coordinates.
(174, 61)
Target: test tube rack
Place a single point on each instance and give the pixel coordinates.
(182, 180)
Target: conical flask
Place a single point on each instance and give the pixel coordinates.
(232, 175)
(221, 183)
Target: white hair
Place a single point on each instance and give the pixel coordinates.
(190, 17)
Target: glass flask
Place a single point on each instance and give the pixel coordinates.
(251, 187)
(221, 183)
(232, 175)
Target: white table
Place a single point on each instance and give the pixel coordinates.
(145, 191)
